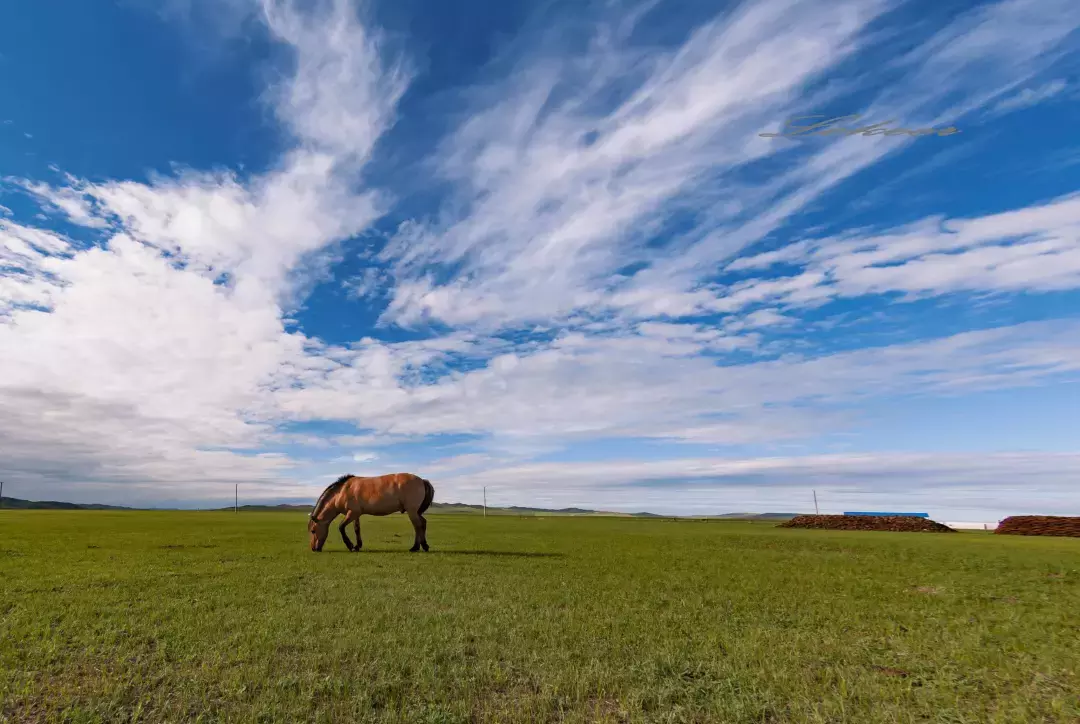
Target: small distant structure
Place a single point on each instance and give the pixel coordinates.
(902, 515)
(972, 525)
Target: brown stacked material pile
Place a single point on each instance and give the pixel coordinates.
(899, 523)
(1039, 525)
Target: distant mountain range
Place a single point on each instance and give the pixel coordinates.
(461, 508)
(18, 504)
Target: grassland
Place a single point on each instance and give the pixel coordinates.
(170, 616)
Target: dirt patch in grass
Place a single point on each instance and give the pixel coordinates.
(606, 710)
(896, 523)
(891, 671)
(1040, 525)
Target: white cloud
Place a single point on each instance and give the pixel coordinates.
(961, 69)
(557, 197)
(71, 201)
(1029, 97)
(369, 282)
(143, 369)
(1035, 249)
(948, 486)
(659, 385)
(342, 95)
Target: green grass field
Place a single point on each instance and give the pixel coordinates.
(175, 616)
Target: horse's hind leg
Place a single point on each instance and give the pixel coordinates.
(350, 517)
(420, 526)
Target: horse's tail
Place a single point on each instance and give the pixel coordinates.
(429, 494)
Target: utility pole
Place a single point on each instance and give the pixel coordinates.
(1, 493)
(816, 511)
(236, 498)
(485, 501)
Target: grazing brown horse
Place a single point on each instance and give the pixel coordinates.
(386, 494)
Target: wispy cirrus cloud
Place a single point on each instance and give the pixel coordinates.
(1033, 250)
(70, 200)
(561, 199)
(1029, 97)
(559, 196)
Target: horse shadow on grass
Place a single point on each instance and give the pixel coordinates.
(397, 551)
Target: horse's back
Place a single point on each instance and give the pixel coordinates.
(385, 494)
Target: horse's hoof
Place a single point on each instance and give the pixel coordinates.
(426, 549)
(413, 550)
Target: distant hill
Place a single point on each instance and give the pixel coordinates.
(282, 508)
(459, 508)
(17, 504)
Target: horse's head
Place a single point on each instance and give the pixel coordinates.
(318, 530)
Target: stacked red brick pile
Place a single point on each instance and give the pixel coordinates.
(1040, 525)
(899, 523)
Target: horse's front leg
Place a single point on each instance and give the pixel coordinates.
(356, 527)
(350, 517)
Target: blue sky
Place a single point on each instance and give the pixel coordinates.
(543, 248)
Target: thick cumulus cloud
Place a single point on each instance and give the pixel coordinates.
(153, 355)
(156, 360)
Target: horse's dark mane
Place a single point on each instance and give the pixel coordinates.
(330, 490)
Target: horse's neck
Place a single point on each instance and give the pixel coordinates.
(326, 513)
